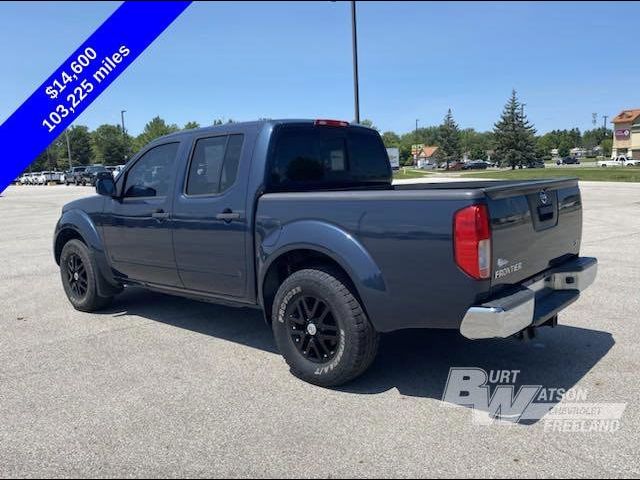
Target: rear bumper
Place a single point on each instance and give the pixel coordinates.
(532, 304)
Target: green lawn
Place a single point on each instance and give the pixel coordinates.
(408, 173)
(599, 174)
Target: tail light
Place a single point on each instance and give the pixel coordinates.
(472, 241)
(331, 123)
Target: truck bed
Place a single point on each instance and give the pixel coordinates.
(407, 232)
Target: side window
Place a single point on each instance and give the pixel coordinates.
(152, 174)
(214, 164)
(231, 162)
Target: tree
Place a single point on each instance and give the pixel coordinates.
(45, 161)
(514, 135)
(390, 139)
(109, 145)
(564, 150)
(368, 123)
(221, 121)
(80, 143)
(449, 144)
(156, 128)
(593, 138)
(191, 125)
(476, 144)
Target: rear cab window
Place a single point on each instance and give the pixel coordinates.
(309, 157)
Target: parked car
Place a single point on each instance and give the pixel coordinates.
(48, 177)
(454, 165)
(33, 178)
(90, 174)
(24, 179)
(116, 170)
(568, 161)
(536, 164)
(301, 219)
(475, 165)
(73, 175)
(619, 161)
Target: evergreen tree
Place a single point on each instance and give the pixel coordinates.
(155, 128)
(514, 136)
(449, 141)
(191, 125)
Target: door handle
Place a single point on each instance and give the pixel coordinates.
(160, 214)
(227, 215)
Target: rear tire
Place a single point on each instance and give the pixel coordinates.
(321, 329)
(80, 278)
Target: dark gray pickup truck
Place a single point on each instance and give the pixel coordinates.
(300, 218)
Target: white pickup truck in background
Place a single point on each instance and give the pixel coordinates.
(619, 161)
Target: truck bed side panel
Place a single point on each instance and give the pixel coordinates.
(409, 237)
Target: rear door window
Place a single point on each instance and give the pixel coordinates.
(214, 164)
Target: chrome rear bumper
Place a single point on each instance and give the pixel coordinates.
(531, 305)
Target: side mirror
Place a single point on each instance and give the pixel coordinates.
(105, 185)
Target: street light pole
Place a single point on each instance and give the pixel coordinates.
(354, 41)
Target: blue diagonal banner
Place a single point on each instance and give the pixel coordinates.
(80, 80)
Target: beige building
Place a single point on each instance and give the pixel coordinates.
(626, 134)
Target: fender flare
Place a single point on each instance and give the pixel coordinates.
(335, 243)
(81, 223)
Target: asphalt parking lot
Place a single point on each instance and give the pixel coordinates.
(161, 386)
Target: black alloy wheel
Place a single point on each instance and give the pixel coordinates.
(77, 276)
(313, 328)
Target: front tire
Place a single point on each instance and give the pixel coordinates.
(80, 278)
(321, 329)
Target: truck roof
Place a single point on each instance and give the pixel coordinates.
(239, 125)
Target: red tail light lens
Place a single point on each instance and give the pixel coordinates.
(472, 241)
(331, 123)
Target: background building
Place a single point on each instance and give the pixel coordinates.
(626, 134)
(426, 157)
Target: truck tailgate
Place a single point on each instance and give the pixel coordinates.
(534, 226)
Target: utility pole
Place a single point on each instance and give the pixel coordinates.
(124, 134)
(415, 156)
(66, 134)
(354, 41)
(604, 125)
(522, 105)
(122, 112)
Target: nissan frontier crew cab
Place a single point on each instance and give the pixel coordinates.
(300, 219)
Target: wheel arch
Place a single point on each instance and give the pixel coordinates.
(76, 224)
(332, 247)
